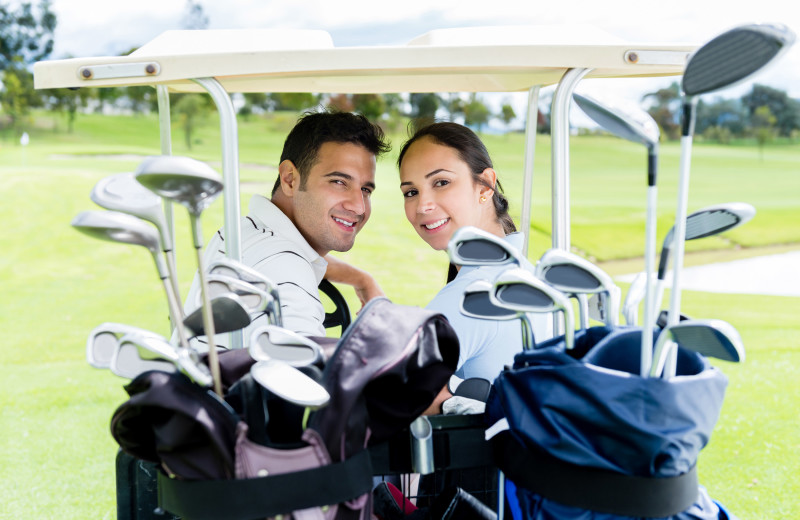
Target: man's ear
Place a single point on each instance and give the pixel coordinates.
(290, 177)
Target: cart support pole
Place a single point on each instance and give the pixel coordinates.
(230, 175)
(530, 153)
(559, 136)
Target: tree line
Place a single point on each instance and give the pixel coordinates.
(26, 36)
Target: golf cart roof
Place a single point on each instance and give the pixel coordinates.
(479, 59)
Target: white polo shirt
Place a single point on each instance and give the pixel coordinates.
(272, 245)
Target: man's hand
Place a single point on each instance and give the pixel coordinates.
(365, 286)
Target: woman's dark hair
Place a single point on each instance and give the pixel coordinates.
(472, 151)
(314, 129)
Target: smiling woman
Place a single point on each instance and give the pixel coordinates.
(448, 182)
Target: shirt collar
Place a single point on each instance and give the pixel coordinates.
(270, 214)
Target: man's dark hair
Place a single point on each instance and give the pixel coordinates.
(314, 129)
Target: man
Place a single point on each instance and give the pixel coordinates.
(320, 201)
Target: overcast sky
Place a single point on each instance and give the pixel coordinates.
(92, 28)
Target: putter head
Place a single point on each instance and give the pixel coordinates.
(184, 180)
(733, 56)
(477, 303)
(271, 342)
(289, 383)
(114, 226)
(473, 246)
(572, 274)
(229, 314)
(122, 192)
(627, 122)
(518, 289)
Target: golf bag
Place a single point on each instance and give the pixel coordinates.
(590, 439)
(243, 463)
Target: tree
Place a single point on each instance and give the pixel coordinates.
(194, 17)
(721, 113)
(763, 123)
(295, 101)
(423, 108)
(785, 109)
(67, 101)
(666, 102)
(190, 108)
(476, 113)
(507, 113)
(26, 34)
(371, 106)
(18, 95)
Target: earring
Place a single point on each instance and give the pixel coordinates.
(483, 199)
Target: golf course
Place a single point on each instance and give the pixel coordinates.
(57, 457)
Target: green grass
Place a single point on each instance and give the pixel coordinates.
(57, 456)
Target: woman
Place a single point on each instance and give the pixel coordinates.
(447, 181)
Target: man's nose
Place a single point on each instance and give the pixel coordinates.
(356, 202)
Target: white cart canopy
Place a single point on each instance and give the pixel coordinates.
(481, 59)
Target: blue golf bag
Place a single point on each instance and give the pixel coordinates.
(589, 439)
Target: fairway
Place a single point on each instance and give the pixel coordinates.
(57, 456)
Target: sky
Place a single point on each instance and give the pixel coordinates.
(92, 28)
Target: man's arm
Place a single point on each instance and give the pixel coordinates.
(363, 283)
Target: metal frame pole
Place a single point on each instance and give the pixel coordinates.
(530, 153)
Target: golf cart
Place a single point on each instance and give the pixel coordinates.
(517, 59)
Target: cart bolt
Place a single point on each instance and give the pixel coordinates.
(86, 73)
(150, 68)
(632, 57)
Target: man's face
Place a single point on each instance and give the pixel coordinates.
(335, 203)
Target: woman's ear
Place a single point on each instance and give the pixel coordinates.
(290, 177)
(490, 179)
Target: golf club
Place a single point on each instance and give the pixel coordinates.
(256, 301)
(703, 223)
(477, 303)
(119, 227)
(289, 383)
(194, 185)
(153, 348)
(726, 60)
(103, 340)
(122, 192)
(711, 338)
(638, 126)
(228, 311)
(571, 274)
(246, 273)
(272, 342)
(473, 246)
(636, 293)
(128, 364)
(519, 290)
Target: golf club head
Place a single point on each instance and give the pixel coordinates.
(520, 290)
(103, 340)
(473, 246)
(122, 192)
(572, 274)
(127, 363)
(288, 383)
(184, 180)
(733, 56)
(630, 308)
(229, 314)
(271, 342)
(234, 269)
(628, 122)
(255, 300)
(711, 338)
(114, 226)
(477, 303)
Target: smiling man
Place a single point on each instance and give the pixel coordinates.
(319, 203)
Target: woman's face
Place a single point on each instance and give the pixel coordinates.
(439, 193)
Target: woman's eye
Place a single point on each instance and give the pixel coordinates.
(409, 193)
(441, 182)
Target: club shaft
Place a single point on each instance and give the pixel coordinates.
(649, 259)
(208, 318)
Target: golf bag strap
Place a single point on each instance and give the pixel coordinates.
(592, 488)
(267, 496)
